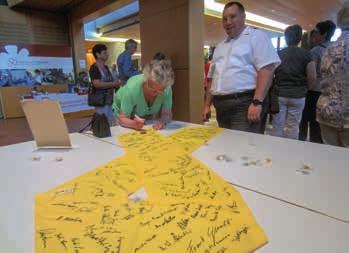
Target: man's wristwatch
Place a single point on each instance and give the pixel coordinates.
(257, 102)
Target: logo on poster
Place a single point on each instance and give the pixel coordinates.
(13, 56)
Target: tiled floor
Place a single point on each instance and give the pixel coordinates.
(17, 130)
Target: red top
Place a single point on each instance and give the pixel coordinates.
(207, 68)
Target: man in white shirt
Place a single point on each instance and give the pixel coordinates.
(241, 73)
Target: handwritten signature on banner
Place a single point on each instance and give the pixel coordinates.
(189, 208)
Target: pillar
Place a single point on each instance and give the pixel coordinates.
(78, 46)
(176, 29)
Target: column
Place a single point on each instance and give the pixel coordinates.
(176, 29)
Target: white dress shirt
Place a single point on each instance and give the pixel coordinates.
(236, 62)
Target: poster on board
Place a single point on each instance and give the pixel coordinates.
(29, 64)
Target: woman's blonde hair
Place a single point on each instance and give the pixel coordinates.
(160, 71)
(343, 16)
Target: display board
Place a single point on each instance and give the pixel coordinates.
(28, 64)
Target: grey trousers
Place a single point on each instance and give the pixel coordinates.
(232, 113)
(286, 122)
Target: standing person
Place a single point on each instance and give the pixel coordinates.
(322, 35)
(293, 77)
(124, 61)
(207, 66)
(242, 69)
(102, 82)
(333, 104)
(114, 72)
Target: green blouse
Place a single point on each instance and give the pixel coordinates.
(130, 100)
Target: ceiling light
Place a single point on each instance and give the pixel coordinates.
(218, 7)
(110, 39)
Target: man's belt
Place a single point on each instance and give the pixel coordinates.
(234, 95)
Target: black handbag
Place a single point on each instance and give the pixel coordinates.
(100, 126)
(96, 97)
(273, 95)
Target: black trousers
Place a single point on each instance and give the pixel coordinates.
(232, 113)
(309, 119)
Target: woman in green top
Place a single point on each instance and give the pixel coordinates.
(146, 96)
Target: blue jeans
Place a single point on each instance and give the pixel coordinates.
(286, 122)
(107, 110)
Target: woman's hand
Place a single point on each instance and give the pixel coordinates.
(139, 119)
(136, 123)
(116, 83)
(139, 122)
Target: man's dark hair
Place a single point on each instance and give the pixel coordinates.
(239, 5)
(326, 27)
(129, 43)
(293, 35)
(98, 48)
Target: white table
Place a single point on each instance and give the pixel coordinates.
(21, 178)
(290, 229)
(324, 190)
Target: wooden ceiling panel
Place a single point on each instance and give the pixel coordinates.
(47, 5)
(126, 33)
(304, 12)
(213, 31)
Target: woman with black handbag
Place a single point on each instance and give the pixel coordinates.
(101, 90)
